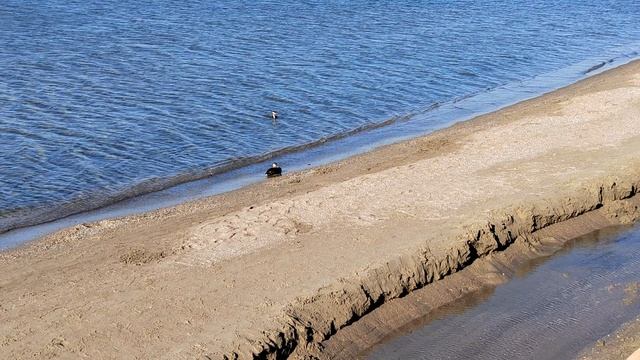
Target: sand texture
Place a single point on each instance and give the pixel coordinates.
(276, 269)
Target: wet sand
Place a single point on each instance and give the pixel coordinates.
(279, 267)
(621, 344)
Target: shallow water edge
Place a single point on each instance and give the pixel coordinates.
(164, 193)
(566, 301)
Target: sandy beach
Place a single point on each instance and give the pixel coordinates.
(278, 268)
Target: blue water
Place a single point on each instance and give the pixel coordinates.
(103, 100)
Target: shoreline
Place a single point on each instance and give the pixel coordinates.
(279, 267)
(168, 192)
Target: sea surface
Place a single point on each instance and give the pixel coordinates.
(104, 100)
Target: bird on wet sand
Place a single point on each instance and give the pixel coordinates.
(274, 170)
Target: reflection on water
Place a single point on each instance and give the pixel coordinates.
(551, 309)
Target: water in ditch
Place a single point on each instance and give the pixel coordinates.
(553, 309)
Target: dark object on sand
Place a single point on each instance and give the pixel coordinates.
(274, 170)
(274, 115)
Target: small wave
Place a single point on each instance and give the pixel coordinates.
(601, 64)
(595, 67)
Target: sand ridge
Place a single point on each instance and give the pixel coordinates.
(277, 268)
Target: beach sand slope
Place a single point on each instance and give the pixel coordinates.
(277, 268)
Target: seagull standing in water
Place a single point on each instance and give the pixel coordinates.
(274, 170)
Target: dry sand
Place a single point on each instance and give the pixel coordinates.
(277, 268)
